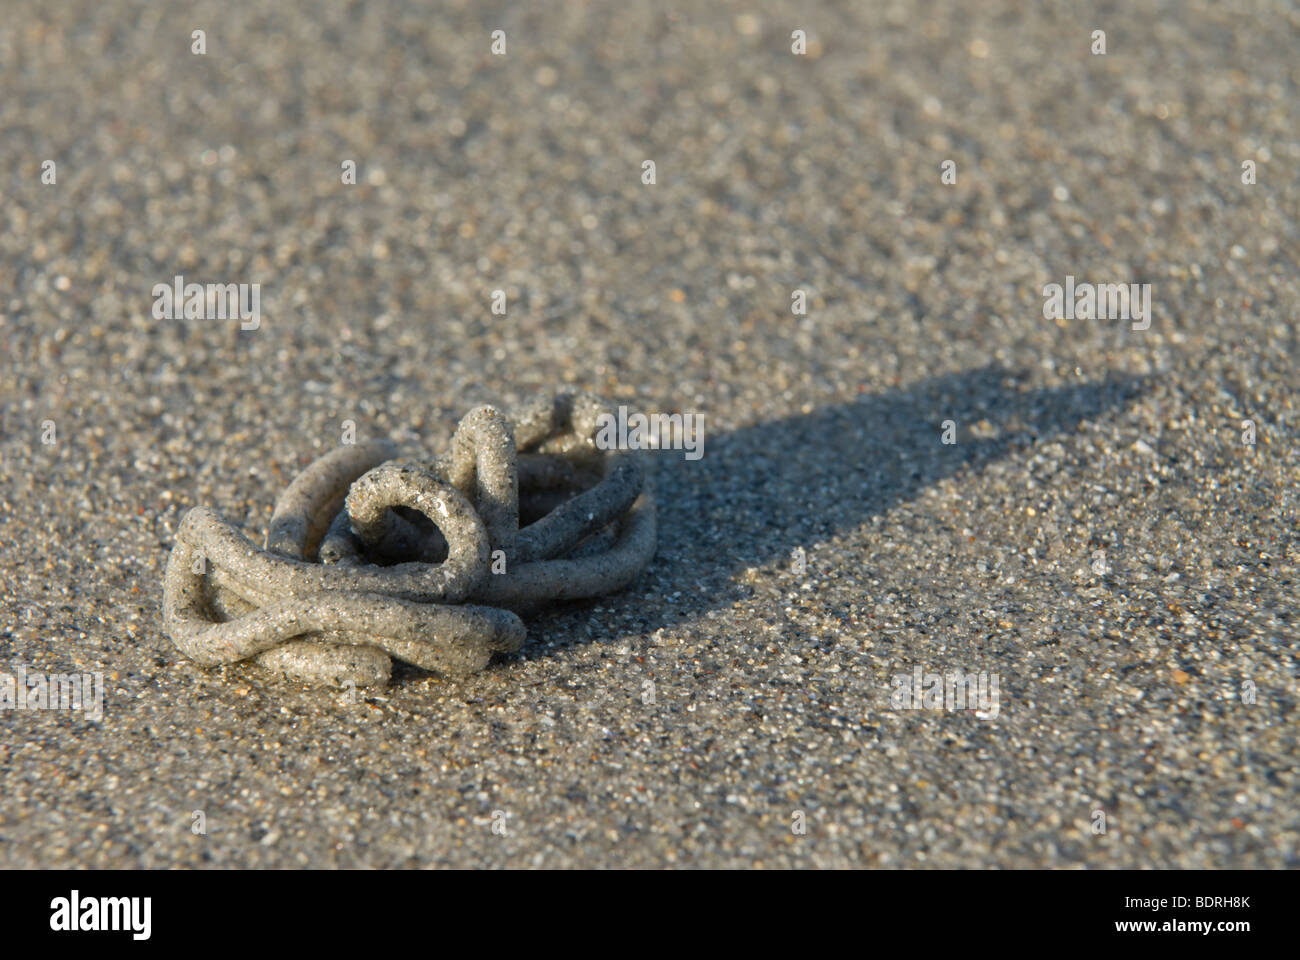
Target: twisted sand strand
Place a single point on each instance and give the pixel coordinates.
(422, 561)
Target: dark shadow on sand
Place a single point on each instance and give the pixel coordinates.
(760, 492)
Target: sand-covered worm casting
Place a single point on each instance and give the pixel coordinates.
(370, 556)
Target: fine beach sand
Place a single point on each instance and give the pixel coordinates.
(1099, 537)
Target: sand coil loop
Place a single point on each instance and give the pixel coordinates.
(370, 557)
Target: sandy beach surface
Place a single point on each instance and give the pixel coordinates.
(1110, 536)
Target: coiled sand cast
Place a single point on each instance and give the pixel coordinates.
(370, 557)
